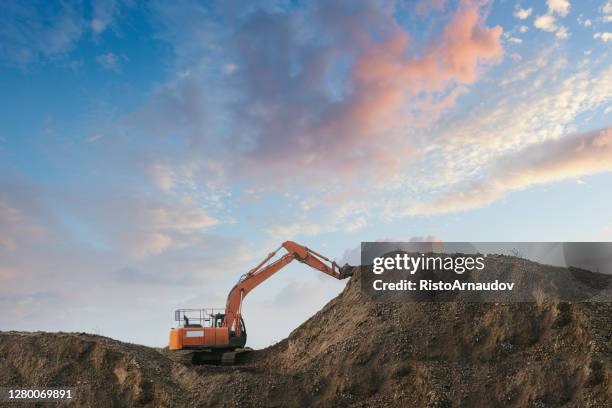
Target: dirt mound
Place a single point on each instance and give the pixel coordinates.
(353, 352)
(103, 372)
(451, 354)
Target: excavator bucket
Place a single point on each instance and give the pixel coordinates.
(346, 271)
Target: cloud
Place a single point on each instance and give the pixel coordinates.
(36, 31)
(603, 36)
(529, 106)
(229, 68)
(109, 61)
(562, 33)
(606, 11)
(151, 229)
(382, 85)
(184, 217)
(350, 215)
(94, 137)
(138, 225)
(297, 101)
(570, 157)
(522, 14)
(586, 22)
(189, 175)
(177, 108)
(42, 31)
(163, 176)
(278, 121)
(534, 101)
(546, 22)
(212, 255)
(560, 7)
(146, 244)
(105, 12)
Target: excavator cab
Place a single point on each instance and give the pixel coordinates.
(205, 329)
(218, 322)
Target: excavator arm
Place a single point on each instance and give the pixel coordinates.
(263, 271)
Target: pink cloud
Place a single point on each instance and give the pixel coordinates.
(465, 43)
(568, 158)
(385, 73)
(391, 85)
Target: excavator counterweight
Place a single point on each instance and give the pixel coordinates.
(219, 335)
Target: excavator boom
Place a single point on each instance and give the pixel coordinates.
(261, 272)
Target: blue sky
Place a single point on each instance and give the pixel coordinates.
(151, 152)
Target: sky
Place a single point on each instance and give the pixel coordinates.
(152, 152)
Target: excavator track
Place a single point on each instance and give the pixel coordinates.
(228, 359)
(184, 357)
(235, 357)
(208, 357)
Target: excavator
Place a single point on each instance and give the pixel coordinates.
(218, 336)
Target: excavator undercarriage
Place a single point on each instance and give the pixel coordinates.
(210, 356)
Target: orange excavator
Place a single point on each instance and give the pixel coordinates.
(219, 336)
